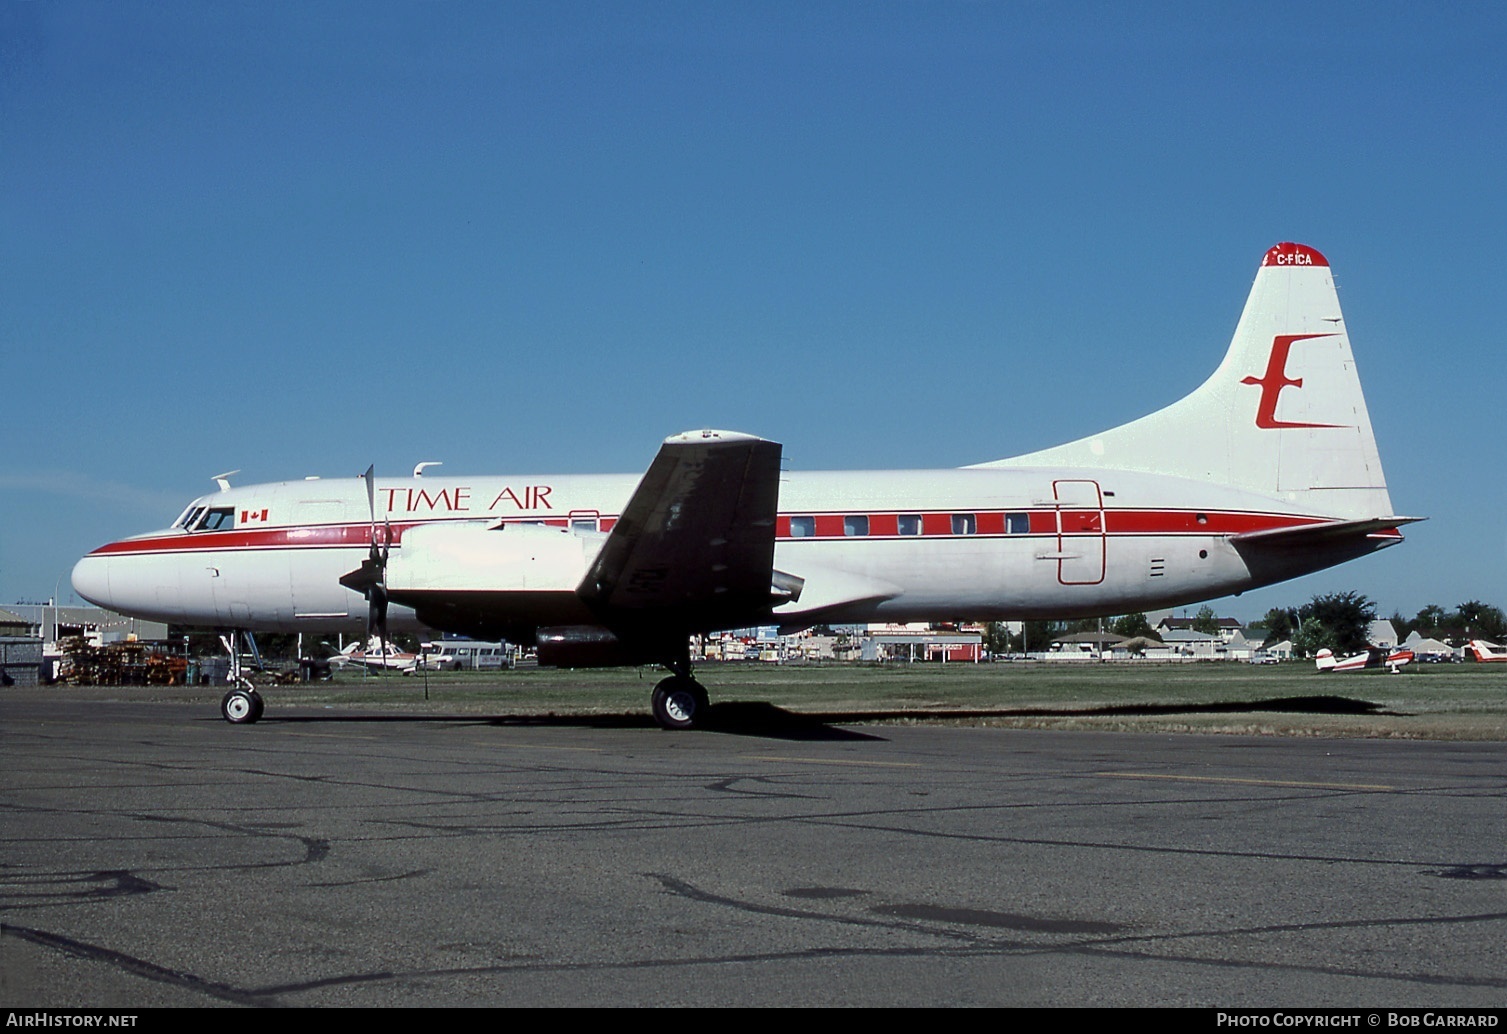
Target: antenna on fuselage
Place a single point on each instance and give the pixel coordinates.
(418, 471)
(223, 480)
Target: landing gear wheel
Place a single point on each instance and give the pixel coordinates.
(241, 706)
(680, 703)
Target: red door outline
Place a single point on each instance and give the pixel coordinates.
(1080, 530)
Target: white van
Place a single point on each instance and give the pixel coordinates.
(465, 655)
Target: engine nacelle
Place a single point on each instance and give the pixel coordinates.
(582, 646)
(497, 558)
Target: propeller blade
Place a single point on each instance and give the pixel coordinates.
(379, 594)
(370, 579)
(376, 620)
(371, 495)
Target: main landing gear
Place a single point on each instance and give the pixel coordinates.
(680, 702)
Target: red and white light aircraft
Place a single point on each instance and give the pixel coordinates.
(1267, 471)
(1372, 657)
(375, 654)
(1487, 653)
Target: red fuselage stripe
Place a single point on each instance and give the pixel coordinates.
(827, 527)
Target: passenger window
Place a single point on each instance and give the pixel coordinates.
(855, 525)
(964, 524)
(802, 527)
(910, 524)
(1017, 523)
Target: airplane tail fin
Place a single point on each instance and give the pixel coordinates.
(1283, 415)
(1484, 651)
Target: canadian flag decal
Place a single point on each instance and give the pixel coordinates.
(253, 516)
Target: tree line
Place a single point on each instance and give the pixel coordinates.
(1339, 621)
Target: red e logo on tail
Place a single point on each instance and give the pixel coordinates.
(1276, 379)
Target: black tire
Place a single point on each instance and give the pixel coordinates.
(241, 707)
(679, 703)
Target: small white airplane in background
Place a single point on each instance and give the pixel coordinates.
(1267, 471)
(375, 654)
(1487, 653)
(1371, 657)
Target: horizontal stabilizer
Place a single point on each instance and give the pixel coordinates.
(1326, 533)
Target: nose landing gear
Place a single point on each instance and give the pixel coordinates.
(241, 706)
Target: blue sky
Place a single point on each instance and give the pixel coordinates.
(299, 238)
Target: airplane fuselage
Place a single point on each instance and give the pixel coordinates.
(912, 545)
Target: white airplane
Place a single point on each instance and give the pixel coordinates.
(1487, 653)
(1371, 657)
(1267, 471)
(374, 654)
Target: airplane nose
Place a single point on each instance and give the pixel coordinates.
(91, 580)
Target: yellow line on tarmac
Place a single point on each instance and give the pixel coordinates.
(832, 761)
(498, 746)
(549, 746)
(1245, 782)
(303, 735)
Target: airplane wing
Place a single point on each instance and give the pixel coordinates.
(695, 544)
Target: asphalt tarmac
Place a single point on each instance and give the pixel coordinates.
(156, 856)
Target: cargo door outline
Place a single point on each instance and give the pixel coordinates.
(317, 600)
(1080, 532)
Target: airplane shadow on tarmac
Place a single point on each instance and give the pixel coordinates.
(765, 720)
(739, 719)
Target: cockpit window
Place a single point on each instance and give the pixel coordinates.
(218, 519)
(204, 518)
